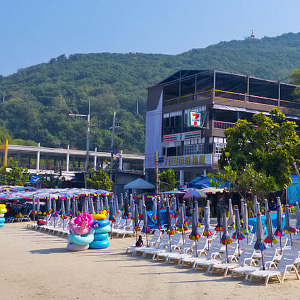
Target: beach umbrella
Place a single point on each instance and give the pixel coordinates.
(270, 239)
(54, 211)
(219, 228)
(194, 193)
(238, 235)
(68, 205)
(158, 216)
(98, 204)
(288, 229)
(182, 225)
(297, 215)
(207, 231)
(231, 217)
(106, 202)
(225, 238)
(131, 202)
(126, 210)
(73, 207)
(146, 228)
(266, 206)
(259, 244)
(279, 231)
(38, 205)
(242, 210)
(116, 205)
(62, 211)
(136, 221)
(245, 226)
(170, 228)
(92, 207)
(154, 208)
(101, 203)
(195, 234)
(111, 217)
(254, 207)
(85, 205)
(141, 207)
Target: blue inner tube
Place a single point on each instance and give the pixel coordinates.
(101, 236)
(2, 220)
(81, 239)
(102, 223)
(104, 229)
(99, 244)
(1, 224)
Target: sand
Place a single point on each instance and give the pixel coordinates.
(36, 265)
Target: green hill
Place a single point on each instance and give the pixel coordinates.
(38, 99)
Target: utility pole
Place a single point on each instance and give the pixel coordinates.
(87, 159)
(157, 178)
(112, 145)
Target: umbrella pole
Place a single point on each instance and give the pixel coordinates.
(196, 241)
(54, 221)
(170, 242)
(239, 249)
(182, 237)
(291, 239)
(247, 240)
(207, 243)
(262, 260)
(280, 245)
(111, 228)
(63, 224)
(147, 239)
(227, 254)
(136, 236)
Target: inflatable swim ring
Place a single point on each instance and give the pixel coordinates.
(82, 239)
(75, 247)
(81, 230)
(99, 244)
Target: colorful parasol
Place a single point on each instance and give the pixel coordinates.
(238, 235)
(231, 216)
(287, 225)
(270, 239)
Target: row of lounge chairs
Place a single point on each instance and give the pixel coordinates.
(55, 226)
(211, 256)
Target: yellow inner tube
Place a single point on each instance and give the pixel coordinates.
(2, 206)
(99, 217)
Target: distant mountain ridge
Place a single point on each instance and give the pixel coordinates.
(38, 99)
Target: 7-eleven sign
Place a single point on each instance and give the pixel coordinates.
(195, 119)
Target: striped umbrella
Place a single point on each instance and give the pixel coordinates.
(279, 231)
(270, 239)
(225, 239)
(238, 235)
(231, 217)
(287, 226)
(259, 244)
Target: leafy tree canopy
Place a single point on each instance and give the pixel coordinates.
(13, 175)
(99, 180)
(262, 155)
(167, 180)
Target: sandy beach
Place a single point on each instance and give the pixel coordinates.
(36, 265)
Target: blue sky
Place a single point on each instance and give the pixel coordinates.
(34, 31)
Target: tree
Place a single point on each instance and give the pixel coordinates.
(99, 180)
(167, 180)
(13, 175)
(260, 156)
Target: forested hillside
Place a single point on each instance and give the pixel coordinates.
(37, 100)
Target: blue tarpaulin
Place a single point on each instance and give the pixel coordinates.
(252, 221)
(293, 193)
(204, 182)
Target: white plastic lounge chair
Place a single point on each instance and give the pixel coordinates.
(152, 242)
(162, 243)
(285, 265)
(269, 255)
(175, 255)
(176, 243)
(208, 263)
(214, 251)
(246, 256)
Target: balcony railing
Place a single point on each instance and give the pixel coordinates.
(222, 125)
